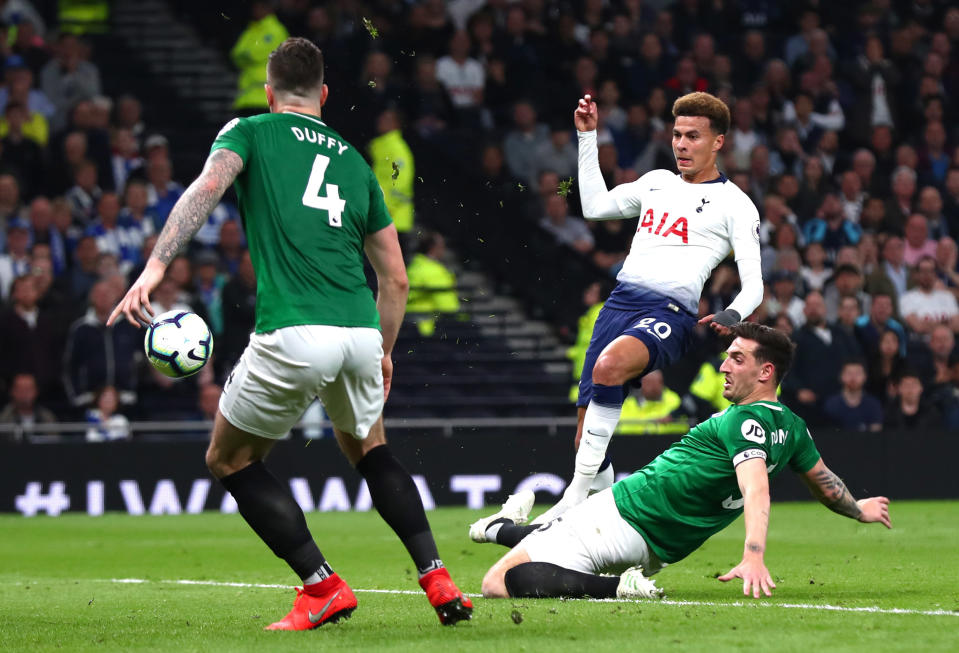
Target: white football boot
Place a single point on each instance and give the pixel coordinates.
(516, 508)
(633, 585)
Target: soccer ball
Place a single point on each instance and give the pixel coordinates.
(178, 343)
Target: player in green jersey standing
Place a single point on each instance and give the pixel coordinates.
(666, 510)
(311, 207)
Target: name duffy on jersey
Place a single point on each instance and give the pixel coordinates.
(684, 231)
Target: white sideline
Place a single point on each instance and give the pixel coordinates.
(717, 604)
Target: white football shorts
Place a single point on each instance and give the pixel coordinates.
(592, 538)
(280, 372)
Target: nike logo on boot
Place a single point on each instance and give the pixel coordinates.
(315, 617)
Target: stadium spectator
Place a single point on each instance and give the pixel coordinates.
(125, 157)
(129, 115)
(611, 241)
(15, 262)
(559, 153)
(947, 260)
(935, 361)
(887, 362)
(249, 55)
(84, 194)
(918, 244)
(851, 195)
(930, 207)
(426, 104)
(463, 78)
(908, 411)
(32, 337)
(566, 229)
(162, 191)
(656, 409)
(20, 154)
(24, 411)
(874, 81)
(831, 227)
(395, 169)
(239, 305)
(106, 424)
(815, 272)
(851, 408)
(209, 283)
(849, 312)
(432, 284)
(231, 247)
(37, 106)
(784, 298)
(925, 306)
(846, 282)
(899, 205)
(68, 78)
(96, 355)
(934, 158)
(523, 142)
(821, 349)
(891, 275)
(879, 318)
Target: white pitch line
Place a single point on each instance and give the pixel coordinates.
(713, 604)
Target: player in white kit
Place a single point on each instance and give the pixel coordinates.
(688, 224)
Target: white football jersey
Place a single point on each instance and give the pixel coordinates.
(684, 231)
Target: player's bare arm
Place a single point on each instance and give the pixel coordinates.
(754, 485)
(830, 490)
(383, 249)
(186, 218)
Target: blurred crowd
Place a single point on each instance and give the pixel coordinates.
(844, 135)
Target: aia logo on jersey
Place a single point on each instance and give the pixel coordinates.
(678, 227)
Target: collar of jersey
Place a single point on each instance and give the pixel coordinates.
(721, 179)
(315, 119)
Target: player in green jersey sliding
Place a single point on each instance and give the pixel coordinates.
(666, 510)
(311, 207)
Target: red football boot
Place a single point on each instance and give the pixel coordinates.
(334, 601)
(450, 603)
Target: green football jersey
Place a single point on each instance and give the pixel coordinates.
(690, 491)
(308, 201)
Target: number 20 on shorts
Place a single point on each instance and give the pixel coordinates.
(660, 329)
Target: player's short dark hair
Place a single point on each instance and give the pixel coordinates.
(296, 67)
(773, 346)
(705, 105)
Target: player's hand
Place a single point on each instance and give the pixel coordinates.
(718, 328)
(387, 364)
(586, 115)
(138, 296)
(875, 509)
(755, 577)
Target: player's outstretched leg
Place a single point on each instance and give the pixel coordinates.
(271, 511)
(397, 500)
(515, 510)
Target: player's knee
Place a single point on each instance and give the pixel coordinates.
(494, 585)
(221, 465)
(609, 370)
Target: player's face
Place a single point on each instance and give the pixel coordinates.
(742, 370)
(695, 146)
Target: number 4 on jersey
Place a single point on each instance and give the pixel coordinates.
(331, 202)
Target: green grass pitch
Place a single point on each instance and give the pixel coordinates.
(56, 591)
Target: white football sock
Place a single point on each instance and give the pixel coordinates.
(598, 427)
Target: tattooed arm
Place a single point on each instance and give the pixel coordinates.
(754, 486)
(188, 215)
(826, 486)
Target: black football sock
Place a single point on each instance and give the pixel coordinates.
(398, 501)
(270, 510)
(508, 533)
(545, 580)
